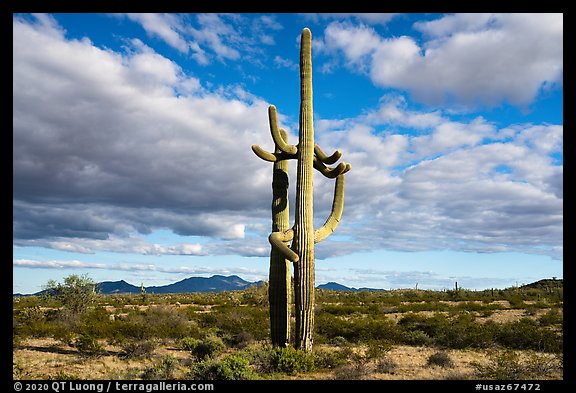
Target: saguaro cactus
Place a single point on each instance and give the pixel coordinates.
(302, 234)
(279, 288)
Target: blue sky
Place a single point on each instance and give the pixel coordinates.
(132, 137)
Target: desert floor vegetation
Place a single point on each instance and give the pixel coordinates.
(510, 334)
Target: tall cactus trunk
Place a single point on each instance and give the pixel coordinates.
(304, 226)
(279, 290)
(303, 236)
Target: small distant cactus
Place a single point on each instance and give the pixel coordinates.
(303, 236)
(143, 294)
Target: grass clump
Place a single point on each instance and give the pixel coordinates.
(440, 358)
(508, 365)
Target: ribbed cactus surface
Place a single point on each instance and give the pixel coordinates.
(309, 156)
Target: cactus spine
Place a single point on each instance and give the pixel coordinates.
(309, 156)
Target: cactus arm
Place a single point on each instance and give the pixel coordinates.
(276, 134)
(272, 157)
(263, 154)
(278, 239)
(335, 215)
(327, 159)
(331, 173)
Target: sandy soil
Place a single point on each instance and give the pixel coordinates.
(48, 358)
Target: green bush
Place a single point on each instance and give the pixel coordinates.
(415, 337)
(96, 323)
(233, 367)
(163, 370)
(339, 341)
(165, 322)
(463, 331)
(528, 334)
(234, 324)
(88, 346)
(377, 349)
(356, 329)
(552, 317)
(203, 348)
(292, 361)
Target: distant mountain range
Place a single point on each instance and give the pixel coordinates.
(215, 283)
(334, 286)
(219, 283)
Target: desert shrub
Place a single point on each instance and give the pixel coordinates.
(88, 345)
(292, 361)
(288, 360)
(166, 322)
(516, 301)
(440, 358)
(386, 365)
(203, 348)
(354, 330)
(329, 359)
(377, 349)
(527, 334)
(241, 340)
(503, 365)
(464, 332)
(508, 365)
(234, 323)
(96, 323)
(138, 349)
(432, 326)
(339, 341)
(260, 357)
(542, 366)
(233, 367)
(164, 369)
(458, 331)
(415, 337)
(34, 322)
(356, 370)
(132, 328)
(551, 317)
(29, 315)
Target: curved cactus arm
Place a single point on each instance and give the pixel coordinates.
(272, 157)
(325, 158)
(263, 154)
(276, 134)
(336, 213)
(278, 239)
(331, 173)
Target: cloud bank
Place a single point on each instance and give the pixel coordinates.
(110, 146)
(463, 60)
